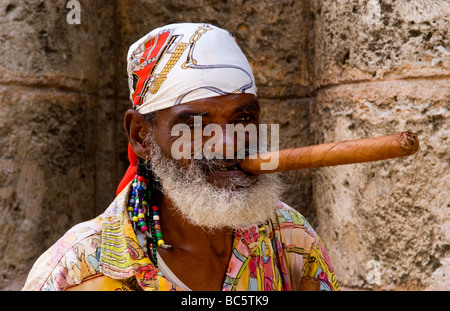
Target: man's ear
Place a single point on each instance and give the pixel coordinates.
(135, 124)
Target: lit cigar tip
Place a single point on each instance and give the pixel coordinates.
(409, 142)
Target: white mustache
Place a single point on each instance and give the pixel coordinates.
(248, 200)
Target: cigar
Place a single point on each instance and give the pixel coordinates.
(332, 154)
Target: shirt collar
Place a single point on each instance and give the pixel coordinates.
(122, 257)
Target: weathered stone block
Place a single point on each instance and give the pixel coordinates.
(40, 48)
(106, 147)
(47, 171)
(394, 212)
(380, 39)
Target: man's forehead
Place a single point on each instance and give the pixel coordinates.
(217, 104)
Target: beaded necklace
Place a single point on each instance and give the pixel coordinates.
(145, 219)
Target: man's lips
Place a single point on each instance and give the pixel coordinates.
(227, 178)
(233, 167)
(227, 173)
(224, 175)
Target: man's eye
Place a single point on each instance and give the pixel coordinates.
(244, 119)
(195, 125)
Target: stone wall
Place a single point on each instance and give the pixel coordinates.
(48, 104)
(326, 71)
(382, 67)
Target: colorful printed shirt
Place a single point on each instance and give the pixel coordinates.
(104, 254)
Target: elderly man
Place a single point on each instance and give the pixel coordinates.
(188, 223)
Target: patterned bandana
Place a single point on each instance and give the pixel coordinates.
(179, 63)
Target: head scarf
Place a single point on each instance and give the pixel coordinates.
(179, 63)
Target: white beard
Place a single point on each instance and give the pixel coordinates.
(205, 205)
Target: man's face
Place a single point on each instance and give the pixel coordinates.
(219, 111)
(211, 193)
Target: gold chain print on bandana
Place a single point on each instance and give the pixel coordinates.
(172, 61)
(195, 37)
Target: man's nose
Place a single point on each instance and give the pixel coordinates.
(226, 143)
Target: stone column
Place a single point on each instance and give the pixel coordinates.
(383, 67)
(48, 99)
(112, 79)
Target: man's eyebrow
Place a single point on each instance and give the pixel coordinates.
(187, 115)
(253, 105)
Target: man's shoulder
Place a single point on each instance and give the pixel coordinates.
(81, 234)
(287, 216)
(76, 255)
(80, 245)
(293, 230)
